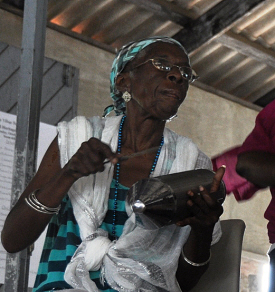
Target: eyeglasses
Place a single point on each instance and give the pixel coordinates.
(164, 65)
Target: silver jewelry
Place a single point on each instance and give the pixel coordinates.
(172, 118)
(32, 201)
(196, 264)
(126, 96)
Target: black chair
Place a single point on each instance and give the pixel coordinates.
(223, 273)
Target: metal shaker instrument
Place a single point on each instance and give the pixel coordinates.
(160, 201)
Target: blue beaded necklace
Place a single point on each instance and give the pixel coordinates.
(117, 174)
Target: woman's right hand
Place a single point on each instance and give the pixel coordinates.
(89, 159)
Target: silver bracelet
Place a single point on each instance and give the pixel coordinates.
(196, 264)
(32, 201)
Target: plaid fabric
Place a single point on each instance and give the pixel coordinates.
(127, 53)
(63, 238)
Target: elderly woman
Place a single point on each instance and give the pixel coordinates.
(81, 185)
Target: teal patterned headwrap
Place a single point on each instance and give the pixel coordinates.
(127, 53)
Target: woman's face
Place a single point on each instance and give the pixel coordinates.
(158, 93)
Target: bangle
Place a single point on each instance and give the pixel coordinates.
(32, 201)
(196, 264)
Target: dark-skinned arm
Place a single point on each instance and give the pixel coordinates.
(257, 167)
(52, 183)
(197, 250)
(206, 212)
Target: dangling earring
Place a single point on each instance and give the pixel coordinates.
(126, 96)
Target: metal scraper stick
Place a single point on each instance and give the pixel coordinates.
(126, 157)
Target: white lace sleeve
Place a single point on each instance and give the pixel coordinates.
(203, 161)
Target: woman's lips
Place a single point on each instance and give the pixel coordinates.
(172, 93)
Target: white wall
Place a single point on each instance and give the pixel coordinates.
(214, 123)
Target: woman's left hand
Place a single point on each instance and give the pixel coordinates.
(205, 210)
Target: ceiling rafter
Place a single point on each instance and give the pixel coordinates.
(248, 48)
(164, 10)
(214, 22)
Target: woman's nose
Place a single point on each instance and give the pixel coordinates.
(174, 75)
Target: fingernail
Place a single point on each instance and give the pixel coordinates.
(224, 166)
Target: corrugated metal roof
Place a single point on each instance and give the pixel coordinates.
(231, 42)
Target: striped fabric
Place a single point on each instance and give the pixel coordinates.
(63, 238)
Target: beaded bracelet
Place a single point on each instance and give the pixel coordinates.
(32, 201)
(196, 264)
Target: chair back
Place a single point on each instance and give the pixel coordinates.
(223, 273)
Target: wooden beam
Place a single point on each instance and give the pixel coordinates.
(266, 99)
(81, 37)
(174, 7)
(64, 31)
(248, 48)
(165, 10)
(214, 22)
